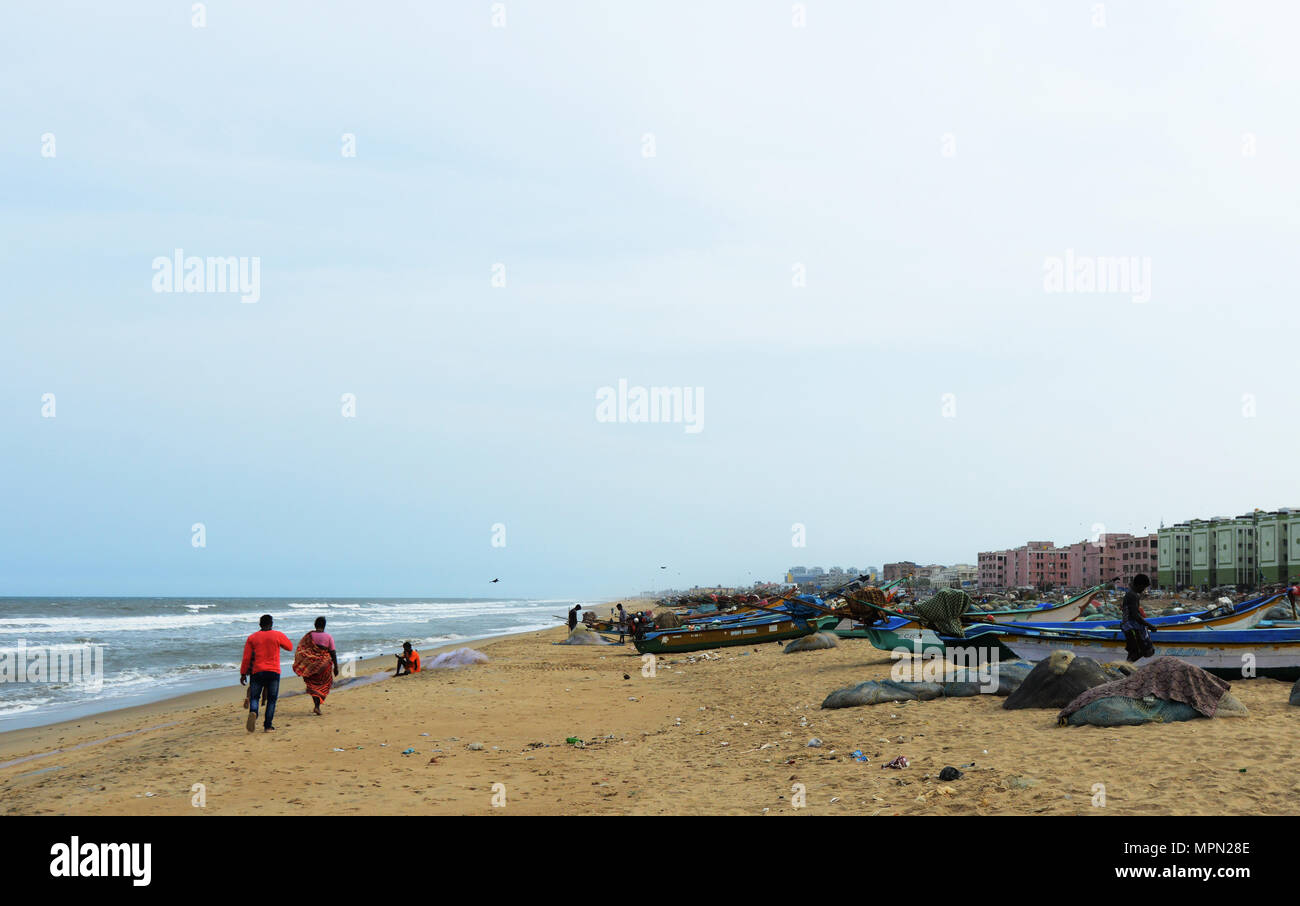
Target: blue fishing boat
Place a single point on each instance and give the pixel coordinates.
(1229, 653)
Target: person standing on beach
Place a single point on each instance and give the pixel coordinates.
(1292, 591)
(622, 622)
(262, 662)
(313, 662)
(1137, 638)
(573, 616)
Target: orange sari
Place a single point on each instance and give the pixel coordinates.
(314, 665)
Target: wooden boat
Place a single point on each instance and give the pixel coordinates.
(900, 631)
(1066, 611)
(753, 609)
(1246, 615)
(1229, 653)
(774, 627)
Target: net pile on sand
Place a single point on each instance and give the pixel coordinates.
(1163, 690)
(1059, 680)
(581, 635)
(814, 642)
(461, 657)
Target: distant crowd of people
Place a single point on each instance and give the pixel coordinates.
(316, 661)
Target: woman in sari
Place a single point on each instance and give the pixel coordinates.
(317, 663)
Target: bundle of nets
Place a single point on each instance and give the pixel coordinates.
(856, 601)
(942, 611)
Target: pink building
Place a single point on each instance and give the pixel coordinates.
(1127, 555)
(1114, 556)
(993, 569)
(1039, 564)
(1085, 564)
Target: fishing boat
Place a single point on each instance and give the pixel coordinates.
(1229, 653)
(774, 627)
(901, 631)
(1245, 615)
(1066, 611)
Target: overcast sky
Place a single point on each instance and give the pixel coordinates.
(827, 229)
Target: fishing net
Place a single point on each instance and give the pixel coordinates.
(961, 683)
(1230, 706)
(814, 642)
(1118, 711)
(1011, 674)
(942, 611)
(461, 657)
(1057, 681)
(667, 619)
(1163, 690)
(581, 635)
(1165, 678)
(878, 692)
(857, 605)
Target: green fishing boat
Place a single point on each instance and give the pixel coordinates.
(701, 636)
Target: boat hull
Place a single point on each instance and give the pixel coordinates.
(1229, 654)
(1066, 612)
(669, 641)
(1247, 617)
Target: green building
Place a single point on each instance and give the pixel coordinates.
(1174, 556)
(1202, 552)
(1257, 548)
(1273, 531)
(1293, 542)
(1235, 560)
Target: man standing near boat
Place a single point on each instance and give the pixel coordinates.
(1137, 638)
(573, 616)
(1292, 590)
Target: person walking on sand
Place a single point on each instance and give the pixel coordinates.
(1137, 638)
(409, 658)
(317, 663)
(262, 662)
(573, 616)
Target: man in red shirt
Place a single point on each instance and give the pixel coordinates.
(262, 662)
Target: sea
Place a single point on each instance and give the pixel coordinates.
(149, 649)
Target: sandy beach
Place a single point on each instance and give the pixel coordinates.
(726, 734)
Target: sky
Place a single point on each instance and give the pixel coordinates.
(830, 221)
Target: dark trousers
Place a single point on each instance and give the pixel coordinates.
(1137, 641)
(271, 683)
